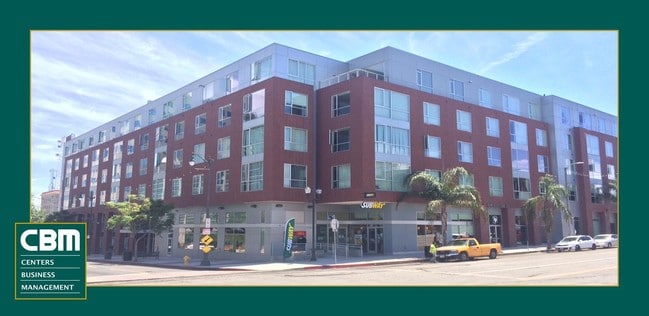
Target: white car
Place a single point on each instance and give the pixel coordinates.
(606, 240)
(576, 243)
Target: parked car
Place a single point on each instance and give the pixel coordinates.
(576, 243)
(606, 240)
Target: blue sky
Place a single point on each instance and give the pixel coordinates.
(81, 79)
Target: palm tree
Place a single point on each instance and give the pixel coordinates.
(445, 192)
(547, 204)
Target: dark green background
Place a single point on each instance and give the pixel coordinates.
(18, 20)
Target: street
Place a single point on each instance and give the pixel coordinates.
(583, 268)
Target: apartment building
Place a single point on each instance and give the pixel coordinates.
(240, 146)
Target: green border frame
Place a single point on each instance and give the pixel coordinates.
(20, 18)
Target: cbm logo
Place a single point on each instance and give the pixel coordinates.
(47, 239)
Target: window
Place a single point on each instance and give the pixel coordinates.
(295, 139)
(253, 105)
(197, 184)
(493, 127)
(610, 172)
(85, 161)
(252, 176)
(294, 176)
(425, 80)
(495, 186)
(208, 92)
(158, 189)
(223, 181)
(437, 174)
(235, 240)
(176, 187)
(167, 109)
(105, 154)
(391, 104)
(178, 159)
(592, 145)
(232, 82)
(161, 135)
(117, 171)
(466, 180)
(522, 189)
(389, 176)
(225, 115)
(341, 177)
(543, 164)
(152, 116)
(518, 132)
(534, 111)
(484, 98)
(565, 116)
(608, 147)
(260, 69)
(130, 146)
(463, 120)
(143, 166)
(456, 90)
(137, 122)
(340, 104)
(253, 141)
(340, 140)
(541, 138)
(179, 130)
(392, 140)
(511, 105)
(295, 103)
(431, 114)
(223, 148)
(301, 71)
(493, 156)
(129, 170)
(144, 141)
(433, 147)
(187, 101)
(464, 152)
(520, 160)
(141, 191)
(199, 149)
(200, 123)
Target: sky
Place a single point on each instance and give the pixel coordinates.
(81, 79)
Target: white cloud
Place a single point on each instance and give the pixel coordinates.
(518, 49)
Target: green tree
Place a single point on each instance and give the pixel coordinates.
(36, 215)
(547, 204)
(445, 192)
(140, 216)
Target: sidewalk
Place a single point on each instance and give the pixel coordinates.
(320, 263)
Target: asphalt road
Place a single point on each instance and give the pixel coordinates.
(583, 268)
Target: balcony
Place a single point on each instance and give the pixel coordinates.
(350, 75)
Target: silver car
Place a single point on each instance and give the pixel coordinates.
(606, 240)
(575, 243)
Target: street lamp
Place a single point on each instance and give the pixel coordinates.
(307, 192)
(208, 161)
(565, 174)
(91, 197)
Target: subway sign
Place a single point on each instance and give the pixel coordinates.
(373, 205)
(50, 261)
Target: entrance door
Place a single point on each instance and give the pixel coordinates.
(374, 240)
(495, 229)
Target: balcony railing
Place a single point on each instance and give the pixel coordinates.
(350, 75)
